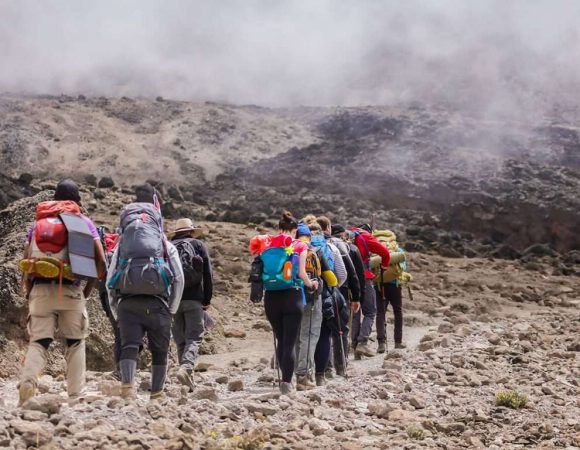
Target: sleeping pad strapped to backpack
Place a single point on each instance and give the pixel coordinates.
(142, 267)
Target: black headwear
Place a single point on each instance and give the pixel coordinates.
(67, 190)
(146, 193)
(336, 229)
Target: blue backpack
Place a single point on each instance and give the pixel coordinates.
(320, 242)
(280, 269)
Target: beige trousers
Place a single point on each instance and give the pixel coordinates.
(57, 316)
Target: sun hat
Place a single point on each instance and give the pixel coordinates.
(185, 224)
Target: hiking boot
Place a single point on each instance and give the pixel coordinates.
(185, 378)
(26, 391)
(363, 350)
(286, 388)
(328, 373)
(303, 383)
(340, 372)
(159, 395)
(382, 348)
(128, 392)
(400, 345)
(320, 380)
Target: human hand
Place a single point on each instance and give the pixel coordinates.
(205, 307)
(355, 306)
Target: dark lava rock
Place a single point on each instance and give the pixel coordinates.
(106, 182)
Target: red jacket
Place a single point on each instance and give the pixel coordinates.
(368, 244)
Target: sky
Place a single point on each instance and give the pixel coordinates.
(508, 55)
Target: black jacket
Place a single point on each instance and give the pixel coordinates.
(202, 292)
(352, 284)
(359, 267)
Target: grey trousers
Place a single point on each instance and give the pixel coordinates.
(368, 311)
(309, 330)
(188, 330)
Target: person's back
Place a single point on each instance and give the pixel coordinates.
(284, 276)
(188, 324)
(145, 285)
(57, 301)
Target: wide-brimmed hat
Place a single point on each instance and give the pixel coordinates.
(184, 224)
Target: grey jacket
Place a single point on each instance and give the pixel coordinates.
(176, 288)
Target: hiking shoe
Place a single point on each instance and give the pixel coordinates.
(116, 375)
(128, 392)
(382, 348)
(26, 391)
(328, 373)
(286, 388)
(340, 372)
(320, 380)
(185, 378)
(400, 345)
(158, 395)
(303, 383)
(363, 350)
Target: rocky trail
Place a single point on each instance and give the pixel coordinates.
(473, 330)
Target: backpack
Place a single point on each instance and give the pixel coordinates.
(49, 256)
(314, 271)
(280, 270)
(320, 242)
(142, 266)
(191, 262)
(396, 272)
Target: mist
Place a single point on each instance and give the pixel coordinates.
(518, 56)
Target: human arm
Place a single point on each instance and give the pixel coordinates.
(207, 277)
(112, 298)
(26, 285)
(359, 268)
(377, 248)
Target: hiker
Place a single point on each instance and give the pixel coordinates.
(316, 268)
(145, 285)
(367, 245)
(350, 290)
(388, 288)
(109, 242)
(57, 300)
(284, 280)
(332, 301)
(188, 323)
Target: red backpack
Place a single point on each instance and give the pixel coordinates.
(49, 241)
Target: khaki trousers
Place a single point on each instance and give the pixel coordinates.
(57, 316)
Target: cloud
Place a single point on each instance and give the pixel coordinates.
(494, 55)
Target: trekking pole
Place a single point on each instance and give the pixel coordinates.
(276, 362)
(410, 292)
(340, 336)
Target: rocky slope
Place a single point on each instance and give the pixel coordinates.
(460, 183)
(475, 327)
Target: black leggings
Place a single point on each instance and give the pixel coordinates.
(284, 312)
(322, 353)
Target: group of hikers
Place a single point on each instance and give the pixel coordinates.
(325, 285)
(322, 286)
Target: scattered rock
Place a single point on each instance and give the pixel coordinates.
(236, 385)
